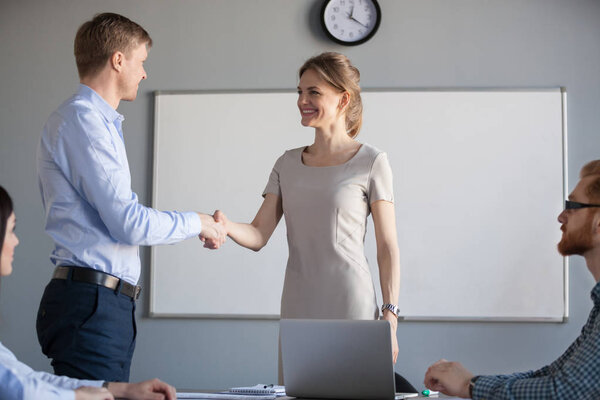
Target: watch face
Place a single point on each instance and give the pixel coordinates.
(350, 22)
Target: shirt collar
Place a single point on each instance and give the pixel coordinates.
(106, 110)
(596, 293)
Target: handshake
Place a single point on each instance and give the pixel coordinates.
(214, 229)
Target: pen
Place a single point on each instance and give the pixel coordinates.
(428, 393)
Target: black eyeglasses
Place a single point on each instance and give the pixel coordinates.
(573, 205)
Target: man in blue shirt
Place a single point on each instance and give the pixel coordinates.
(86, 321)
(576, 373)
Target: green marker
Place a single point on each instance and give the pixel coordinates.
(428, 393)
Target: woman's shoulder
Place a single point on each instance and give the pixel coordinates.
(371, 151)
(289, 156)
(293, 154)
(295, 151)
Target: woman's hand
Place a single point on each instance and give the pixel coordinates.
(220, 216)
(393, 320)
(213, 232)
(220, 219)
(93, 393)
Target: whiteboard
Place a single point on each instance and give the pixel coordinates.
(479, 179)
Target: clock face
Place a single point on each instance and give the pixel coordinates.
(350, 22)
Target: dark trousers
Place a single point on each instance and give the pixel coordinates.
(87, 330)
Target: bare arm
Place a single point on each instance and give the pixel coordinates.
(388, 260)
(256, 234)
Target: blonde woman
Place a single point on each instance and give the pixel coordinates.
(326, 191)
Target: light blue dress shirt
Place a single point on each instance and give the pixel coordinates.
(91, 212)
(20, 382)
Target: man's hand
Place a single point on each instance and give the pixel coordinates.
(448, 377)
(213, 233)
(92, 393)
(148, 390)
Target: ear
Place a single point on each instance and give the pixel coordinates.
(116, 61)
(596, 223)
(344, 101)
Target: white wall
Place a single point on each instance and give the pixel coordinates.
(256, 44)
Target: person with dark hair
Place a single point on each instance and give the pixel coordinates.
(20, 382)
(86, 319)
(326, 192)
(576, 373)
(7, 231)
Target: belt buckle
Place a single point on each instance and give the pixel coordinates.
(136, 292)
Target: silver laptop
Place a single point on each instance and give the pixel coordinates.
(337, 359)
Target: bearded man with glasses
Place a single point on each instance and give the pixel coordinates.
(575, 374)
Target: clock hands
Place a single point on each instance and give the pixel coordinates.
(351, 16)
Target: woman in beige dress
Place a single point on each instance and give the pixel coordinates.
(326, 192)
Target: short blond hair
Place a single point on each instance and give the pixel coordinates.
(593, 189)
(97, 40)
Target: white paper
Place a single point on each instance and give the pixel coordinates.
(224, 396)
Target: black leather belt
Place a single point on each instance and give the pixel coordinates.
(89, 275)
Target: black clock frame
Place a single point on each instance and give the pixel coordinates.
(356, 43)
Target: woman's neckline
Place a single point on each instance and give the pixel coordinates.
(330, 166)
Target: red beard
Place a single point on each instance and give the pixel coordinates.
(578, 242)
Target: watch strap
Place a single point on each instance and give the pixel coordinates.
(392, 307)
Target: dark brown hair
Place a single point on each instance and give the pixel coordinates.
(6, 209)
(97, 40)
(337, 70)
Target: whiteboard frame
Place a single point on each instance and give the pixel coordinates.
(155, 187)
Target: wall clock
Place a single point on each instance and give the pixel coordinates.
(350, 22)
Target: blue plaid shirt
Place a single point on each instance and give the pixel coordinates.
(575, 375)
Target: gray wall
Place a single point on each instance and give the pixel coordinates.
(255, 44)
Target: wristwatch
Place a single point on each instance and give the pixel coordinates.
(393, 308)
(472, 385)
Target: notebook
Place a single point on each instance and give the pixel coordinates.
(259, 389)
(223, 396)
(338, 359)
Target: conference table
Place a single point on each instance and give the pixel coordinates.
(441, 396)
